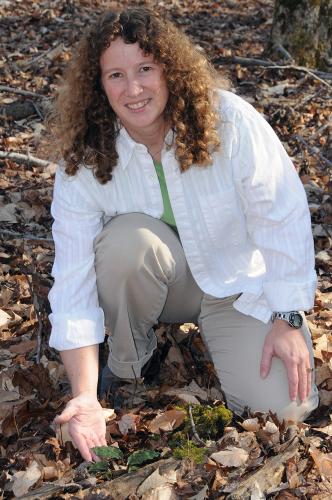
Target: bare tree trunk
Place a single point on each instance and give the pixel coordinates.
(304, 29)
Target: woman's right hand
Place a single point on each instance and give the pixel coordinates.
(86, 423)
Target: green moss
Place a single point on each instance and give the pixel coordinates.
(210, 422)
(190, 451)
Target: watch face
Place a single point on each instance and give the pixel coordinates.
(295, 320)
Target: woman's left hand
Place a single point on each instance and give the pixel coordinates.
(288, 344)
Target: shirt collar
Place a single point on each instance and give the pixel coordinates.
(126, 146)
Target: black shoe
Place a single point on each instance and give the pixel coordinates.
(110, 385)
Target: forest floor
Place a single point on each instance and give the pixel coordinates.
(156, 449)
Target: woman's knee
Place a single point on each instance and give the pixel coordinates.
(126, 252)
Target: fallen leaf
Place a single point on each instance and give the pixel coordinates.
(326, 430)
(323, 462)
(155, 480)
(251, 424)
(164, 492)
(127, 423)
(23, 347)
(230, 457)
(108, 452)
(202, 494)
(8, 319)
(23, 480)
(322, 373)
(325, 397)
(167, 421)
(141, 456)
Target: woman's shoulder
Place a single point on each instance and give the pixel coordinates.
(83, 184)
(231, 106)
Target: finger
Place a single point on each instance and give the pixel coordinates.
(266, 360)
(293, 380)
(83, 447)
(309, 380)
(303, 381)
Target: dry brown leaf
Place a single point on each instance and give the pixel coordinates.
(188, 393)
(322, 373)
(167, 421)
(127, 423)
(23, 347)
(251, 424)
(326, 430)
(321, 344)
(323, 462)
(230, 457)
(164, 492)
(325, 397)
(156, 480)
(23, 480)
(202, 494)
(8, 319)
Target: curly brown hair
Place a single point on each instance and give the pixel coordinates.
(85, 126)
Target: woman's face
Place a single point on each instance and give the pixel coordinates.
(135, 87)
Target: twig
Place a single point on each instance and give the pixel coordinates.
(313, 151)
(284, 52)
(304, 69)
(193, 427)
(247, 61)
(25, 237)
(57, 49)
(12, 90)
(21, 158)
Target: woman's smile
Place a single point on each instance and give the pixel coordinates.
(138, 106)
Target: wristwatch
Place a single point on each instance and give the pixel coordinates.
(293, 318)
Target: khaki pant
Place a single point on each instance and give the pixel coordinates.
(143, 277)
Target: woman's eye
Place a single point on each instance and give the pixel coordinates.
(114, 75)
(146, 68)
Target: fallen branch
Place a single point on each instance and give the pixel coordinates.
(26, 93)
(313, 150)
(51, 53)
(19, 110)
(121, 487)
(21, 158)
(25, 237)
(247, 61)
(265, 479)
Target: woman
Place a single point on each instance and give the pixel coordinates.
(175, 201)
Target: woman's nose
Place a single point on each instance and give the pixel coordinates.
(134, 88)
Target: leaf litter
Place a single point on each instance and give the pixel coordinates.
(254, 456)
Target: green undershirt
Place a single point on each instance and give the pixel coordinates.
(167, 216)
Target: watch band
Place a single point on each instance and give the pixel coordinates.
(293, 318)
(280, 315)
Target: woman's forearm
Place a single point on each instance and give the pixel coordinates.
(82, 368)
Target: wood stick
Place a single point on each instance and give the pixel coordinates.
(248, 61)
(193, 427)
(26, 93)
(312, 150)
(26, 237)
(21, 158)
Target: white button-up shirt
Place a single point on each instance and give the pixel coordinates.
(244, 224)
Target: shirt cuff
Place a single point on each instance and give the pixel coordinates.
(283, 296)
(79, 329)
